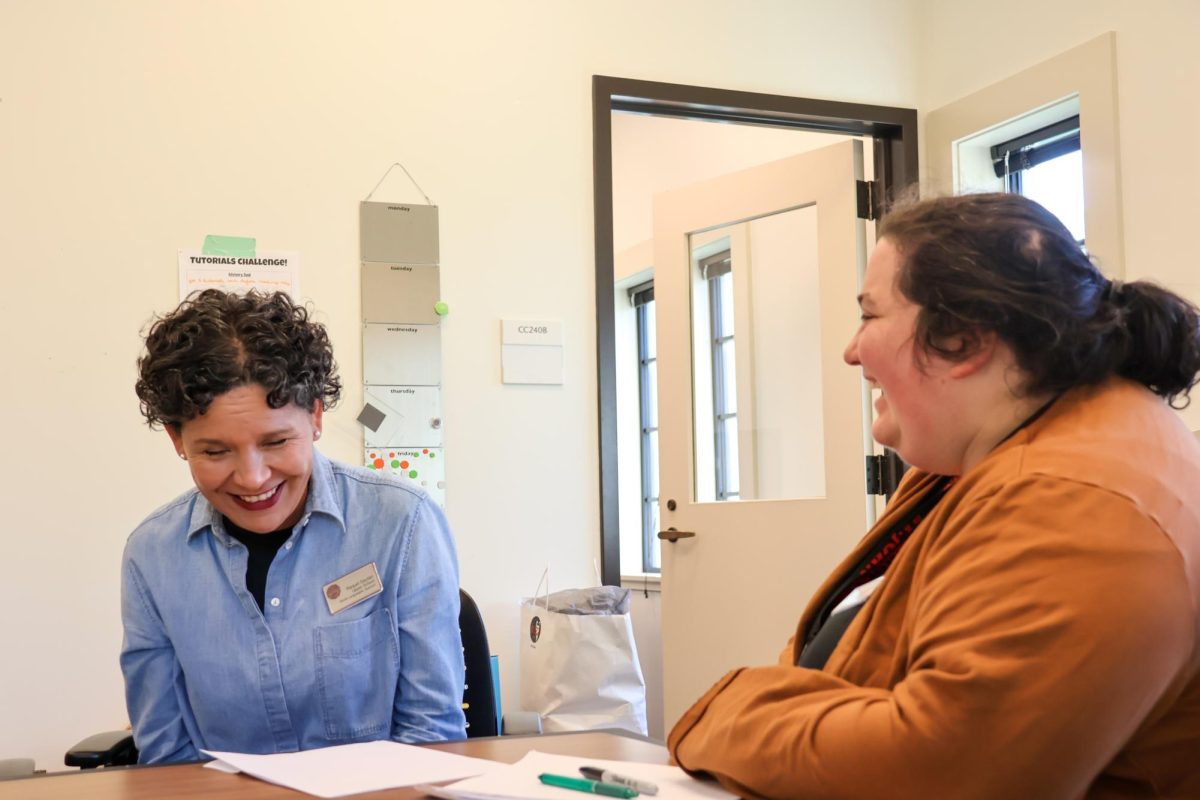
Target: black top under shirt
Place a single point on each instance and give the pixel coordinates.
(826, 628)
(262, 547)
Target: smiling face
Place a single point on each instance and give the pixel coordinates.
(250, 461)
(907, 407)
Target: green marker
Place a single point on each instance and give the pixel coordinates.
(584, 785)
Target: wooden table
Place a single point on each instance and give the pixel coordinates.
(193, 780)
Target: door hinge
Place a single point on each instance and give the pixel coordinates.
(880, 475)
(874, 471)
(867, 192)
(884, 473)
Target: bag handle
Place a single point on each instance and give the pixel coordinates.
(545, 597)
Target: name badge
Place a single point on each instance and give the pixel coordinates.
(352, 588)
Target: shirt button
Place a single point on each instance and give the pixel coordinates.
(274, 602)
(287, 546)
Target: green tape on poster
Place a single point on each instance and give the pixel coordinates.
(236, 246)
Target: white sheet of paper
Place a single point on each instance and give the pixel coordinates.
(521, 779)
(354, 768)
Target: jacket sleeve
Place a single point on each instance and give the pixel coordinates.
(153, 679)
(429, 693)
(1046, 622)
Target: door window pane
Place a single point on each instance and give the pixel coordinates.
(730, 458)
(758, 430)
(648, 323)
(652, 548)
(728, 386)
(651, 483)
(650, 418)
(725, 292)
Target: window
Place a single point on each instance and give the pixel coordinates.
(1046, 165)
(717, 272)
(643, 301)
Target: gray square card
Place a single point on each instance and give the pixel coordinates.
(398, 233)
(400, 293)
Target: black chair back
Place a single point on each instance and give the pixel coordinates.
(479, 695)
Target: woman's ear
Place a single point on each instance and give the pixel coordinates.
(317, 419)
(977, 349)
(176, 440)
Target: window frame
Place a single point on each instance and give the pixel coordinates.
(721, 331)
(642, 296)
(1011, 158)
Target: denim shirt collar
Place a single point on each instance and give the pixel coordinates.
(323, 498)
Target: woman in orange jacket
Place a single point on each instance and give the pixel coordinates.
(1024, 620)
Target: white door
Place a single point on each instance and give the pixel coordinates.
(755, 284)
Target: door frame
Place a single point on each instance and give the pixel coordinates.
(894, 131)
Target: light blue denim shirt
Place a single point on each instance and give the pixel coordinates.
(205, 668)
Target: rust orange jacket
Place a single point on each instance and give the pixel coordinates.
(1038, 636)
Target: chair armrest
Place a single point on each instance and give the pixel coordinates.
(108, 749)
(521, 722)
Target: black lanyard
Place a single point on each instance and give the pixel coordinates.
(880, 557)
(874, 564)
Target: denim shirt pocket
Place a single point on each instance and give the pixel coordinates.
(358, 663)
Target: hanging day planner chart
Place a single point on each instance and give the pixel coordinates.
(402, 343)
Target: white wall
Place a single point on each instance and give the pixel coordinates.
(654, 154)
(962, 47)
(132, 128)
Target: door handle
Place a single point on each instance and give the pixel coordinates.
(672, 535)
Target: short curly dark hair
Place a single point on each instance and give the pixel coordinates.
(216, 341)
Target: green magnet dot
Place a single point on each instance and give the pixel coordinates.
(395, 465)
(441, 309)
(433, 455)
(412, 473)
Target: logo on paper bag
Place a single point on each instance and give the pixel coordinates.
(535, 629)
(333, 592)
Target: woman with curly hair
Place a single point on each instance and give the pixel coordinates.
(287, 602)
(1024, 620)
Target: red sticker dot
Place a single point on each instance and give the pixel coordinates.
(377, 463)
(403, 465)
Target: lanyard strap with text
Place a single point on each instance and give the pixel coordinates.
(876, 562)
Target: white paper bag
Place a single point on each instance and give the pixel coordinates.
(580, 671)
